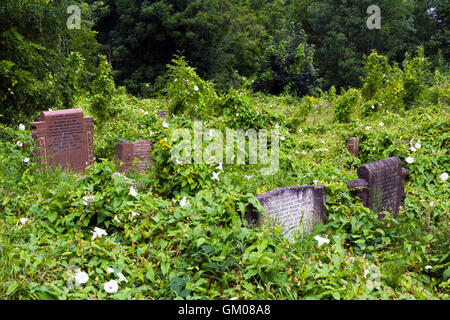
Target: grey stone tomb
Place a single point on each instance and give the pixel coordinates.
(295, 209)
(381, 185)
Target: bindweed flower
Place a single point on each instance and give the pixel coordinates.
(98, 232)
(418, 145)
(183, 202)
(248, 177)
(132, 192)
(111, 286)
(117, 219)
(219, 167)
(23, 220)
(282, 138)
(444, 176)
(413, 149)
(21, 127)
(196, 88)
(165, 124)
(81, 277)
(432, 204)
(87, 200)
(428, 267)
(409, 160)
(381, 124)
(110, 270)
(134, 214)
(321, 240)
(26, 160)
(121, 277)
(19, 143)
(368, 127)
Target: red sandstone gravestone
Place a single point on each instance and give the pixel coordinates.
(64, 138)
(134, 156)
(353, 146)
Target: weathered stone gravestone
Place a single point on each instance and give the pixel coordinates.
(162, 114)
(64, 138)
(134, 156)
(353, 146)
(381, 185)
(293, 208)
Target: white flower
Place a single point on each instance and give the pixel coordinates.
(21, 127)
(428, 267)
(110, 270)
(413, 149)
(196, 88)
(366, 272)
(304, 153)
(277, 126)
(444, 176)
(132, 192)
(87, 200)
(321, 240)
(248, 177)
(121, 277)
(315, 181)
(373, 107)
(381, 124)
(432, 204)
(237, 114)
(282, 138)
(98, 232)
(183, 202)
(300, 130)
(111, 286)
(297, 152)
(219, 167)
(19, 143)
(165, 124)
(409, 160)
(117, 219)
(133, 214)
(26, 160)
(215, 176)
(81, 277)
(23, 220)
(368, 128)
(418, 145)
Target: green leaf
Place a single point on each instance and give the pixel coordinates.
(12, 288)
(150, 275)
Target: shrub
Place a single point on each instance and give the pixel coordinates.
(346, 105)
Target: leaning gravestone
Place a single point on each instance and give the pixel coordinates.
(353, 146)
(294, 207)
(381, 185)
(134, 156)
(64, 138)
(162, 114)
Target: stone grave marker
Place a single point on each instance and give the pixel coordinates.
(353, 146)
(135, 156)
(64, 138)
(291, 207)
(381, 185)
(162, 114)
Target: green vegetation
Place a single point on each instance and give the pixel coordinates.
(175, 232)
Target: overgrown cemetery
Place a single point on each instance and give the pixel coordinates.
(267, 155)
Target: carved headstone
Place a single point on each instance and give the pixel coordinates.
(294, 207)
(381, 185)
(134, 156)
(64, 138)
(162, 114)
(353, 146)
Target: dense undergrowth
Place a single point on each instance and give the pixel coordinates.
(175, 232)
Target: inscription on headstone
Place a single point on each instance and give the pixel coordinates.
(381, 185)
(353, 146)
(294, 207)
(64, 138)
(134, 156)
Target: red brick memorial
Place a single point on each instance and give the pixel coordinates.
(134, 156)
(64, 138)
(381, 185)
